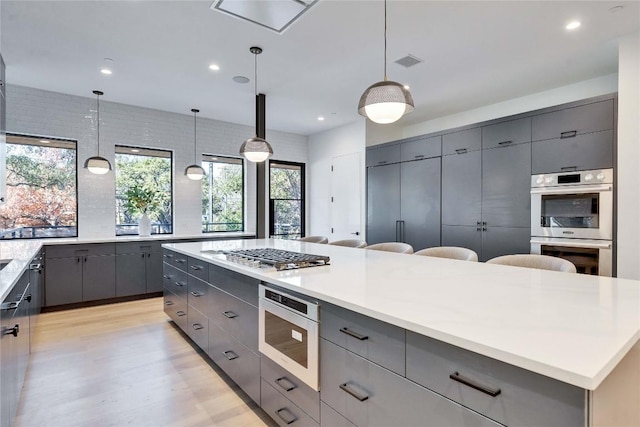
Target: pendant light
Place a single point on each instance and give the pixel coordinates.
(98, 165)
(194, 171)
(386, 101)
(256, 149)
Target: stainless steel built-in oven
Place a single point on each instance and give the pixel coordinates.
(593, 257)
(577, 205)
(288, 333)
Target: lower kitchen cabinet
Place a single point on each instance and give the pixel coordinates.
(330, 418)
(488, 242)
(282, 410)
(369, 395)
(138, 268)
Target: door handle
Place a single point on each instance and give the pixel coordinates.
(345, 387)
(288, 421)
(475, 385)
(230, 355)
(286, 387)
(357, 233)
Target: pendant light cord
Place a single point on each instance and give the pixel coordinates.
(98, 102)
(385, 40)
(255, 73)
(195, 140)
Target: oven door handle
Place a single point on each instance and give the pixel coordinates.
(571, 190)
(604, 245)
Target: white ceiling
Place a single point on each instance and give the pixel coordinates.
(475, 53)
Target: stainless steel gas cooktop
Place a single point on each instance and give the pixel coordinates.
(278, 258)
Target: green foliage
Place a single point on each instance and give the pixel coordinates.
(222, 197)
(286, 188)
(143, 200)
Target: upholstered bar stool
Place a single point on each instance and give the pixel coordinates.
(350, 243)
(398, 247)
(450, 252)
(314, 239)
(541, 262)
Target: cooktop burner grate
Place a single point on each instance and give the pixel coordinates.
(280, 259)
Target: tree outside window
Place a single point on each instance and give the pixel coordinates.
(42, 196)
(141, 174)
(222, 194)
(286, 200)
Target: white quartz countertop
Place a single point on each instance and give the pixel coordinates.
(571, 327)
(20, 253)
(136, 238)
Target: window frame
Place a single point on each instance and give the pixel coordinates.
(9, 135)
(244, 204)
(303, 194)
(141, 153)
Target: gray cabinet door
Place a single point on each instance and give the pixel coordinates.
(63, 281)
(581, 120)
(422, 148)
(507, 133)
(383, 203)
(99, 277)
(498, 241)
(154, 269)
(462, 141)
(130, 274)
(378, 156)
(506, 182)
(584, 152)
(461, 188)
(463, 236)
(420, 203)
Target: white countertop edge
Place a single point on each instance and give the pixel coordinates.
(584, 381)
(10, 275)
(136, 238)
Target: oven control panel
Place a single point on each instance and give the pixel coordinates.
(599, 176)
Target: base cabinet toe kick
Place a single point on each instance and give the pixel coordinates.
(373, 373)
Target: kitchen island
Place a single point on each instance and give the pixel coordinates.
(580, 331)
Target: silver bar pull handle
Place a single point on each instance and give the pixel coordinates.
(229, 314)
(491, 391)
(282, 384)
(345, 387)
(568, 134)
(230, 355)
(181, 313)
(461, 150)
(196, 294)
(197, 326)
(168, 303)
(505, 142)
(291, 418)
(354, 334)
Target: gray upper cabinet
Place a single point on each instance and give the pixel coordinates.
(462, 188)
(574, 121)
(383, 203)
(422, 148)
(506, 181)
(420, 203)
(462, 141)
(507, 133)
(379, 156)
(583, 152)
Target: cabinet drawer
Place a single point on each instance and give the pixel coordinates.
(291, 387)
(234, 316)
(199, 294)
(282, 410)
(330, 418)
(238, 285)
(68, 251)
(525, 398)
(133, 247)
(462, 141)
(176, 309)
(584, 152)
(168, 256)
(583, 119)
(180, 261)
(421, 149)
(379, 156)
(240, 363)
(198, 328)
(372, 339)
(175, 280)
(507, 133)
(198, 268)
(369, 395)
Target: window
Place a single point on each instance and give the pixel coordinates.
(143, 185)
(222, 194)
(42, 197)
(286, 200)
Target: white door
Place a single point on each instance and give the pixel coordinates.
(346, 194)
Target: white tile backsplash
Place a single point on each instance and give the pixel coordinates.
(45, 113)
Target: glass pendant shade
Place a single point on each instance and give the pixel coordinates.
(98, 165)
(194, 172)
(256, 149)
(385, 102)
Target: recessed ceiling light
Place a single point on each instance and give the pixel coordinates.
(45, 141)
(321, 118)
(106, 71)
(573, 25)
(214, 67)
(135, 150)
(107, 66)
(240, 79)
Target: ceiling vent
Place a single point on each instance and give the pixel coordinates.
(276, 15)
(408, 61)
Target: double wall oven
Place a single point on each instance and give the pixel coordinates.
(572, 218)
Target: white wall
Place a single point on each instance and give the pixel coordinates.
(323, 147)
(629, 157)
(44, 113)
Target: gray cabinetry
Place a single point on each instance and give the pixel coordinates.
(330, 418)
(583, 152)
(462, 141)
(79, 273)
(131, 274)
(461, 188)
(369, 395)
(235, 316)
(507, 133)
(3, 129)
(421, 148)
(464, 236)
(383, 155)
(505, 393)
(282, 410)
(383, 203)
(578, 120)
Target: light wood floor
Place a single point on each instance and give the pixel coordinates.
(125, 365)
